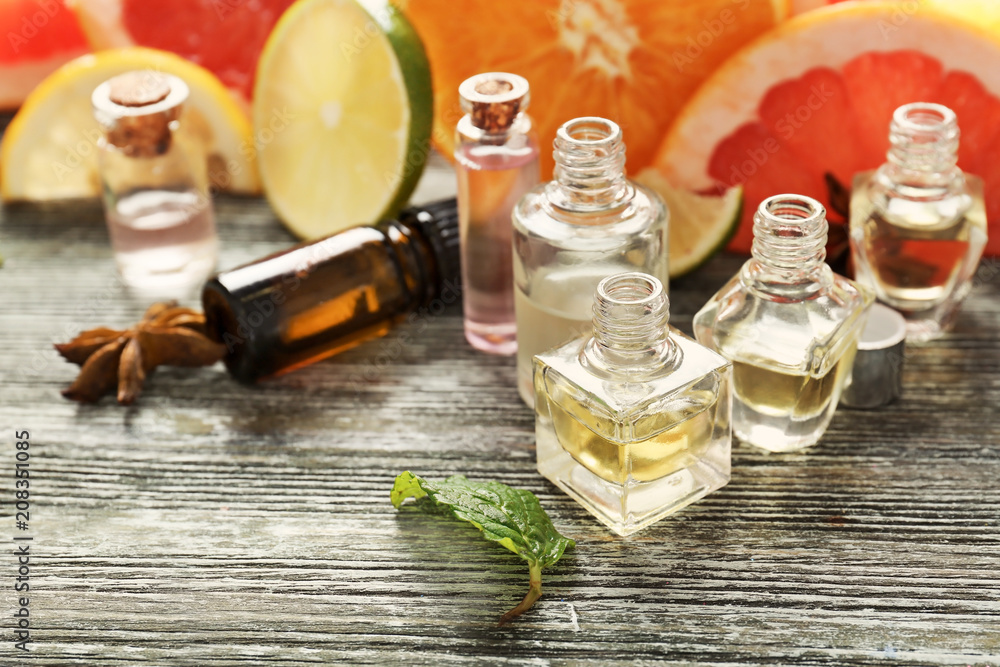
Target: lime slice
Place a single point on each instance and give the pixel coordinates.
(342, 114)
(700, 225)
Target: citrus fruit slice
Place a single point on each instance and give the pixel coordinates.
(815, 96)
(700, 225)
(38, 37)
(632, 61)
(49, 149)
(223, 36)
(342, 111)
(985, 13)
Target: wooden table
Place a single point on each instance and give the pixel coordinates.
(216, 524)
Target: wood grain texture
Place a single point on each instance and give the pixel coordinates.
(215, 524)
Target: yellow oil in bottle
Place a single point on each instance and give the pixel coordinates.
(661, 446)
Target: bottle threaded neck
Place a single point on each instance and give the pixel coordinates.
(631, 332)
(923, 139)
(789, 233)
(590, 165)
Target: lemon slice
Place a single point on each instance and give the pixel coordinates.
(49, 151)
(342, 113)
(700, 225)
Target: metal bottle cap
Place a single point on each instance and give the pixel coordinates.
(877, 376)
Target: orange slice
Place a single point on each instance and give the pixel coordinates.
(633, 61)
(815, 97)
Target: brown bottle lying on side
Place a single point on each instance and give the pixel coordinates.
(312, 301)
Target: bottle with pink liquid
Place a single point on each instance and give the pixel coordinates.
(496, 155)
(154, 180)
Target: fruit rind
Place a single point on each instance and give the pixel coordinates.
(715, 110)
(687, 208)
(411, 60)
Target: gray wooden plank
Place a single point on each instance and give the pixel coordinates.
(216, 524)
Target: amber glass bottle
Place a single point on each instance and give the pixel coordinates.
(312, 301)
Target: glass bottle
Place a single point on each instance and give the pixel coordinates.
(789, 324)
(918, 224)
(586, 224)
(634, 421)
(312, 301)
(496, 158)
(155, 185)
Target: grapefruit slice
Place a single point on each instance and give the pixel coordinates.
(985, 13)
(49, 149)
(813, 100)
(38, 37)
(632, 61)
(223, 36)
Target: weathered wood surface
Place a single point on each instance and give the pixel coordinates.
(215, 524)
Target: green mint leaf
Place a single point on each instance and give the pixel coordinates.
(511, 517)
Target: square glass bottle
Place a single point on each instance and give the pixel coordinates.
(918, 224)
(789, 324)
(633, 422)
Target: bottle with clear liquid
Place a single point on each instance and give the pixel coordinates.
(586, 224)
(918, 224)
(155, 186)
(790, 326)
(496, 159)
(633, 421)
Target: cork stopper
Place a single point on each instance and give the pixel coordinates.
(139, 111)
(494, 99)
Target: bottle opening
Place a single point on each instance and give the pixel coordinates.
(799, 210)
(924, 118)
(494, 99)
(590, 130)
(492, 87)
(630, 289)
(790, 233)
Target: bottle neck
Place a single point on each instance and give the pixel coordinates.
(494, 104)
(590, 167)
(139, 112)
(631, 332)
(923, 150)
(789, 243)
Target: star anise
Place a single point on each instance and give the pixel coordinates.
(109, 358)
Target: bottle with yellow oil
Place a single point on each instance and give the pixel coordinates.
(789, 325)
(633, 422)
